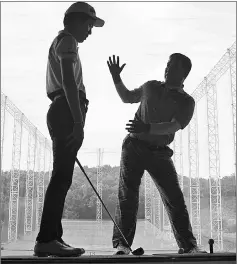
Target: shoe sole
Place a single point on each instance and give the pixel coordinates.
(120, 252)
(44, 254)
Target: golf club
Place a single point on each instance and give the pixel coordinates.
(136, 252)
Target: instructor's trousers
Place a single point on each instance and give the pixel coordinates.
(135, 159)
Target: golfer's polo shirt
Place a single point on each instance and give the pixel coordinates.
(160, 104)
(63, 46)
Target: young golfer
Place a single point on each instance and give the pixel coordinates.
(65, 120)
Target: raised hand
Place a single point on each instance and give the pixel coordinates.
(114, 67)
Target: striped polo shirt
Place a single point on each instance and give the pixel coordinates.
(160, 104)
(63, 46)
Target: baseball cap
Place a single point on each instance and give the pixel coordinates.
(87, 9)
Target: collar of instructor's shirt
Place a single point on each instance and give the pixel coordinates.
(173, 88)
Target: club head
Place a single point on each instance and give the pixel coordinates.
(181, 251)
(138, 252)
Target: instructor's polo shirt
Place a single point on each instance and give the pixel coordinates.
(63, 46)
(160, 104)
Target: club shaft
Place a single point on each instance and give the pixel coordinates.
(103, 203)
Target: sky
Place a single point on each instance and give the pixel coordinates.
(143, 34)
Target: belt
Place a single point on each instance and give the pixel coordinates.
(154, 147)
(148, 145)
(82, 97)
(59, 96)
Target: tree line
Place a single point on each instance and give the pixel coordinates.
(81, 199)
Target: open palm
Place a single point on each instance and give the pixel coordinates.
(114, 67)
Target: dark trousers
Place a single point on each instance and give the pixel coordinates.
(60, 125)
(137, 157)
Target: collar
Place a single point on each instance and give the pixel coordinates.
(67, 32)
(178, 89)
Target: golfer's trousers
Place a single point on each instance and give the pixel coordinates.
(60, 125)
(137, 157)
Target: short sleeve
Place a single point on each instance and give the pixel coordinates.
(185, 112)
(67, 48)
(135, 95)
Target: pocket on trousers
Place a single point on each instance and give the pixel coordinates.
(59, 119)
(125, 141)
(165, 153)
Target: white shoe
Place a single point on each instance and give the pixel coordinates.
(122, 250)
(196, 250)
(193, 250)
